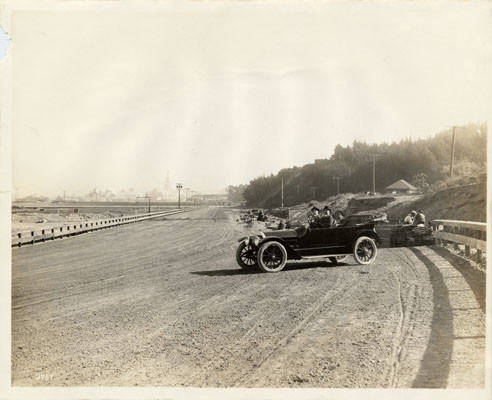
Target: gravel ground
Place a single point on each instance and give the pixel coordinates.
(163, 303)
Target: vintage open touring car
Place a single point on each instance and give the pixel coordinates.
(270, 250)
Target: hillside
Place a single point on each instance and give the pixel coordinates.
(465, 200)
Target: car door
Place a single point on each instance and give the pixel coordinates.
(322, 241)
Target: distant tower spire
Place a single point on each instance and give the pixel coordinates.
(168, 188)
(167, 183)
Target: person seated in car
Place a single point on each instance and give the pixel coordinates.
(419, 219)
(313, 217)
(326, 220)
(339, 218)
(314, 213)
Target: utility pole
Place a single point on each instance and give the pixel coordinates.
(338, 183)
(313, 188)
(373, 173)
(179, 186)
(282, 205)
(452, 148)
(452, 153)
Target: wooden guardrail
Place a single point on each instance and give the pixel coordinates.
(471, 234)
(78, 227)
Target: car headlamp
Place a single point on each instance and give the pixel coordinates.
(256, 241)
(246, 242)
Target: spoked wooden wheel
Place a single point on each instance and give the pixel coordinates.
(272, 257)
(365, 250)
(246, 256)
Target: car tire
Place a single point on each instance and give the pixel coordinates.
(272, 257)
(246, 256)
(365, 250)
(338, 259)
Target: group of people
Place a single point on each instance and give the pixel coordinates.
(324, 218)
(416, 218)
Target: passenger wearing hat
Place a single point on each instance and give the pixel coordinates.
(313, 217)
(326, 219)
(410, 218)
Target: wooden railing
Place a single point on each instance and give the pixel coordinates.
(78, 227)
(473, 235)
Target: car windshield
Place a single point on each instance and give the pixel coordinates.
(353, 220)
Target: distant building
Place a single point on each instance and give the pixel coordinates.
(127, 195)
(155, 195)
(218, 199)
(33, 198)
(401, 186)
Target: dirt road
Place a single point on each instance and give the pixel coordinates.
(163, 303)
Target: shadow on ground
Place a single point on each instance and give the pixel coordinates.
(474, 277)
(289, 267)
(436, 363)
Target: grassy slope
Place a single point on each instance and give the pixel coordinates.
(466, 202)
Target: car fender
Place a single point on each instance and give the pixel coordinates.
(291, 253)
(370, 233)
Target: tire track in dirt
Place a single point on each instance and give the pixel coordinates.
(180, 276)
(62, 314)
(240, 346)
(91, 286)
(149, 253)
(406, 302)
(329, 299)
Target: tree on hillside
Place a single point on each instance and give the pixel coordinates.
(420, 181)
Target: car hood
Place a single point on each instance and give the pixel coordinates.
(283, 233)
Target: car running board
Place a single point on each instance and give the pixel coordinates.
(328, 255)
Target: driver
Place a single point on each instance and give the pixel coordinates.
(339, 218)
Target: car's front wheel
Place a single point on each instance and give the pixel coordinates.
(365, 250)
(246, 256)
(272, 257)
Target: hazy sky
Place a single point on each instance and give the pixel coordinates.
(221, 92)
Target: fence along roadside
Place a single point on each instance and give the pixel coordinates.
(75, 228)
(473, 235)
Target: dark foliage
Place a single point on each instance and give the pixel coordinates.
(421, 161)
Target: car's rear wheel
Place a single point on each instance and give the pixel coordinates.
(365, 250)
(246, 256)
(272, 257)
(338, 259)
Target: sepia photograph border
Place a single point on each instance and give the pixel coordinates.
(7, 391)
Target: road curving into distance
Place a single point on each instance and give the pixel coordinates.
(163, 303)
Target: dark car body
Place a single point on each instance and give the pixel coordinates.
(304, 242)
(270, 250)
